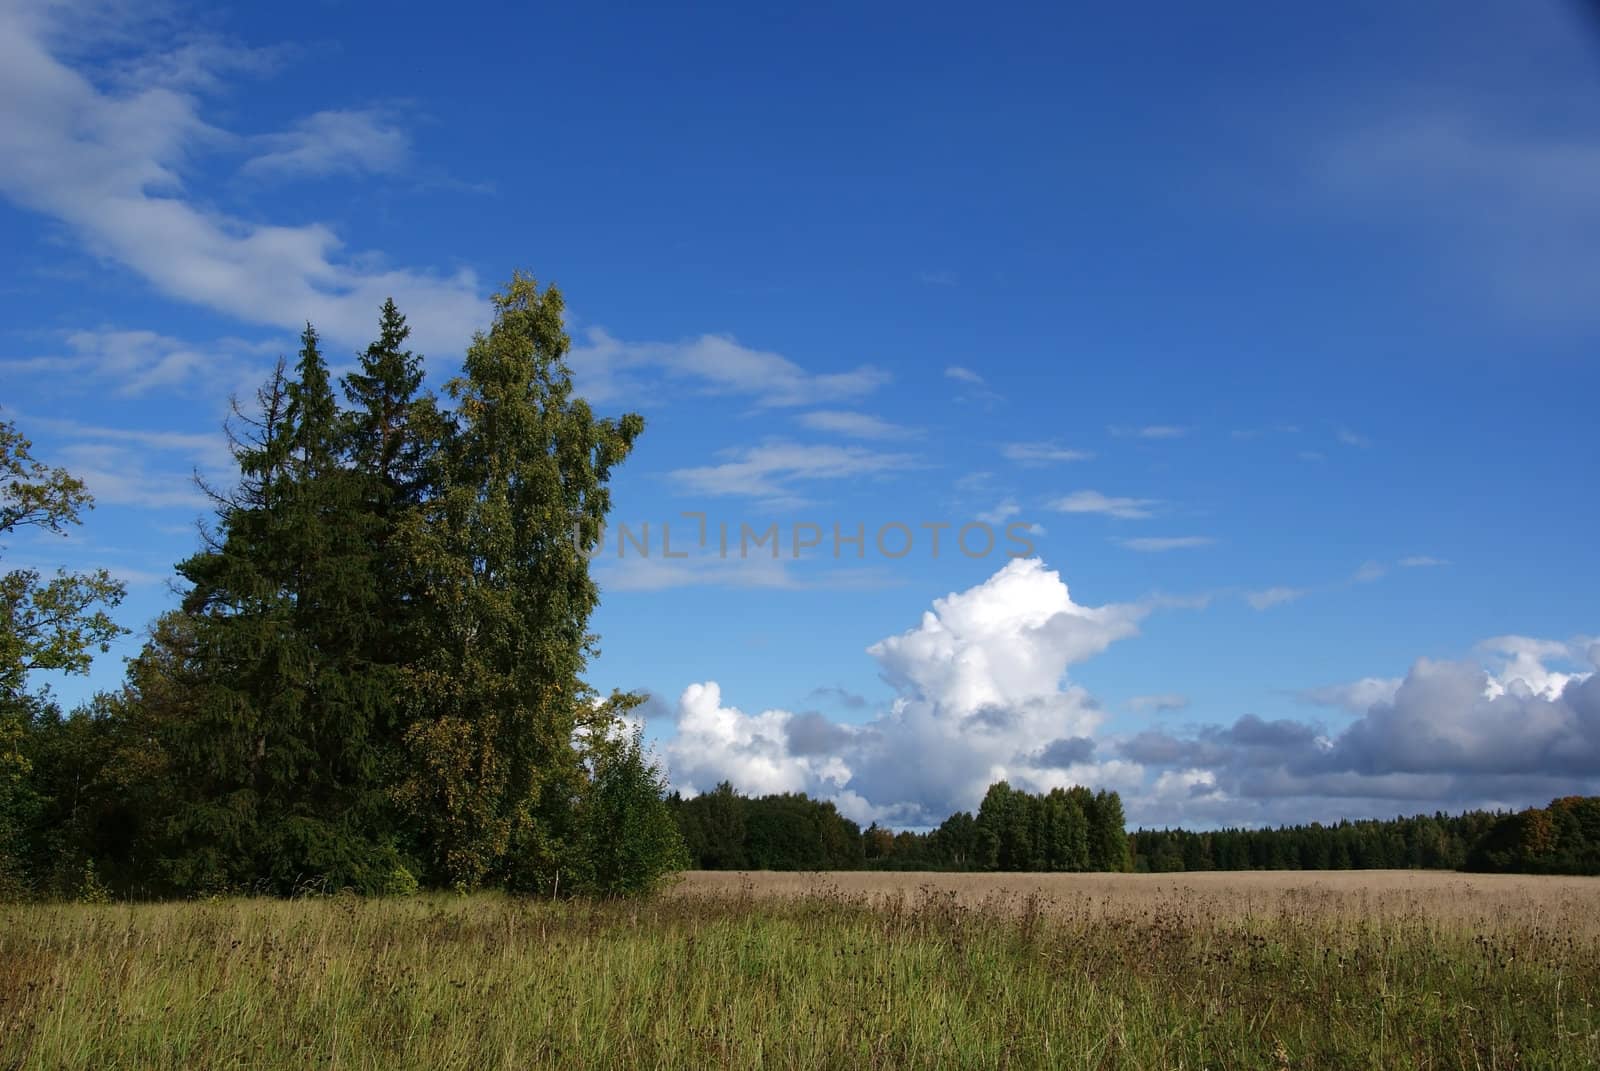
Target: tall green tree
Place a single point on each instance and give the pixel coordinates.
(280, 750)
(393, 423)
(496, 690)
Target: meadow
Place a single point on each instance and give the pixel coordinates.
(847, 970)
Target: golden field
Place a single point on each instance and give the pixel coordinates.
(843, 970)
(1481, 901)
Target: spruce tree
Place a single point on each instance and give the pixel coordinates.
(278, 751)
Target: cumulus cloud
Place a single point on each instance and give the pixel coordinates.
(1450, 734)
(980, 694)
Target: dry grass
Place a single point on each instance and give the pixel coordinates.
(1481, 902)
(842, 970)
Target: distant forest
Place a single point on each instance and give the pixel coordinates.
(1079, 830)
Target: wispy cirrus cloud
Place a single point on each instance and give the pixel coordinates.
(1160, 703)
(1277, 596)
(1162, 544)
(108, 159)
(134, 363)
(1043, 453)
(855, 425)
(607, 368)
(1150, 431)
(1095, 502)
(775, 472)
(333, 142)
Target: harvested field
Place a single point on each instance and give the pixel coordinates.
(1468, 900)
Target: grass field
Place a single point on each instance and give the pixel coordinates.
(1383, 970)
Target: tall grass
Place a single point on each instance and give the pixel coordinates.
(828, 980)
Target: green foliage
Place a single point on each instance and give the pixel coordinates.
(627, 841)
(506, 596)
(1424, 842)
(726, 831)
(1563, 838)
(373, 681)
(279, 755)
(56, 624)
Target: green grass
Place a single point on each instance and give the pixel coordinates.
(484, 982)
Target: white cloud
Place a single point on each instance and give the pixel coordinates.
(1422, 561)
(134, 363)
(1042, 453)
(1162, 544)
(607, 368)
(1269, 597)
(1001, 513)
(1095, 502)
(1358, 697)
(150, 469)
(1369, 572)
(1151, 431)
(715, 743)
(334, 142)
(964, 375)
(1162, 703)
(771, 470)
(980, 695)
(1351, 438)
(116, 475)
(855, 425)
(110, 164)
(755, 569)
(1449, 735)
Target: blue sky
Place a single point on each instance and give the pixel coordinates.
(1277, 325)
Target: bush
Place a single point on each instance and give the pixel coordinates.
(628, 843)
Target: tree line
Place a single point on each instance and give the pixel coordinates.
(1563, 838)
(1079, 830)
(373, 679)
(1065, 829)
